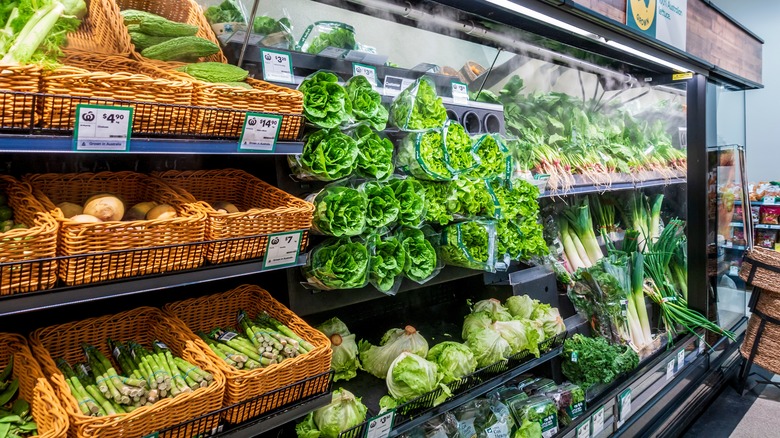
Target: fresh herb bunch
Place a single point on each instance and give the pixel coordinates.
(327, 155)
(383, 207)
(411, 198)
(422, 156)
(225, 12)
(375, 154)
(418, 108)
(339, 37)
(588, 361)
(387, 262)
(325, 102)
(421, 259)
(366, 103)
(340, 211)
(338, 264)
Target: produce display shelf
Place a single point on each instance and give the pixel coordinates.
(614, 187)
(767, 227)
(49, 143)
(737, 224)
(733, 247)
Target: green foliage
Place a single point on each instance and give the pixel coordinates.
(418, 108)
(421, 259)
(469, 244)
(35, 30)
(422, 156)
(325, 102)
(387, 262)
(340, 211)
(411, 198)
(340, 37)
(383, 206)
(344, 412)
(328, 155)
(588, 361)
(375, 154)
(454, 359)
(226, 12)
(366, 103)
(338, 264)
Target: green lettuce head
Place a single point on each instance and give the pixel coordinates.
(519, 335)
(521, 306)
(383, 207)
(375, 154)
(345, 361)
(344, 412)
(338, 264)
(327, 155)
(325, 102)
(366, 103)
(340, 211)
(411, 197)
(376, 360)
(488, 347)
(387, 262)
(411, 376)
(455, 360)
(494, 308)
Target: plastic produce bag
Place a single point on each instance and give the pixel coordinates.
(337, 264)
(437, 198)
(375, 153)
(366, 102)
(339, 211)
(459, 148)
(388, 259)
(325, 102)
(383, 207)
(535, 413)
(495, 161)
(422, 259)
(422, 155)
(570, 400)
(411, 198)
(418, 108)
(328, 155)
(470, 245)
(328, 38)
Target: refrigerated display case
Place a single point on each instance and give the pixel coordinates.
(584, 119)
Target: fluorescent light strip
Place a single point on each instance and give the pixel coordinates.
(642, 54)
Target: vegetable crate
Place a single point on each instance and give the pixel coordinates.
(113, 250)
(27, 261)
(98, 34)
(263, 210)
(33, 387)
(17, 105)
(220, 310)
(143, 325)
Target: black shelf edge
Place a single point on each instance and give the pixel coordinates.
(587, 189)
(484, 388)
(306, 302)
(50, 143)
(71, 296)
(254, 428)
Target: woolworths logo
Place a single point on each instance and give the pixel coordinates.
(642, 14)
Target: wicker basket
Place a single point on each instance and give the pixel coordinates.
(761, 268)
(98, 31)
(220, 310)
(125, 249)
(18, 110)
(143, 325)
(769, 345)
(34, 246)
(86, 79)
(33, 387)
(264, 209)
(183, 11)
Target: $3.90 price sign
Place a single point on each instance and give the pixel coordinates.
(260, 133)
(102, 128)
(365, 70)
(381, 425)
(277, 66)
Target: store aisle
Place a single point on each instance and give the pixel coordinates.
(754, 415)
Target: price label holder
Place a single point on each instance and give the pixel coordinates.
(365, 70)
(734, 270)
(624, 406)
(460, 93)
(583, 430)
(702, 345)
(152, 435)
(260, 133)
(282, 249)
(729, 244)
(102, 128)
(597, 422)
(381, 425)
(680, 360)
(395, 85)
(770, 200)
(277, 66)
(669, 370)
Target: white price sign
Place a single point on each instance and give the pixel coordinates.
(770, 200)
(680, 360)
(381, 425)
(277, 66)
(597, 422)
(260, 132)
(583, 430)
(669, 370)
(102, 128)
(395, 85)
(702, 344)
(624, 406)
(365, 70)
(460, 93)
(734, 270)
(282, 249)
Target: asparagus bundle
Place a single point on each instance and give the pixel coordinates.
(142, 378)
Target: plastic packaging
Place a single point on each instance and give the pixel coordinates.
(770, 215)
(375, 153)
(383, 207)
(328, 155)
(366, 102)
(325, 102)
(388, 259)
(540, 386)
(495, 161)
(459, 149)
(422, 259)
(422, 155)
(418, 108)
(341, 263)
(328, 38)
(339, 211)
(537, 410)
(570, 400)
(411, 197)
(470, 244)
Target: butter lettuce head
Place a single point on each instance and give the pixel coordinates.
(325, 102)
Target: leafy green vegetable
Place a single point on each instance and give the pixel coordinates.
(337, 264)
(550, 318)
(454, 359)
(35, 30)
(325, 102)
(536, 409)
(411, 376)
(436, 197)
(488, 347)
(520, 335)
(475, 322)
(328, 155)
(588, 361)
(344, 412)
(340, 211)
(494, 158)
(459, 149)
(387, 262)
(528, 429)
(570, 400)
(226, 12)
(421, 259)
(339, 36)
(366, 103)
(375, 154)
(494, 308)
(470, 244)
(422, 156)
(411, 198)
(418, 108)
(521, 306)
(377, 360)
(345, 361)
(471, 199)
(383, 207)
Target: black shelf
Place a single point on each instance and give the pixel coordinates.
(254, 428)
(614, 187)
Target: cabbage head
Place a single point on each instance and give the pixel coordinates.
(551, 321)
(376, 360)
(345, 361)
(344, 412)
(494, 308)
(475, 322)
(454, 359)
(521, 306)
(488, 347)
(411, 376)
(520, 336)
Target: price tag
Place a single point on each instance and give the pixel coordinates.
(669, 371)
(365, 70)
(102, 128)
(282, 249)
(381, 425)
(729, 244)
(260, 133)
(597, 422)
(277, 66)
(770, 200)
(624, 406)
(680, 360)
(733, 270)
(460, 93)
(333, 52)
(701, 346)
(152, 435)
(583, 430)
(395, 85)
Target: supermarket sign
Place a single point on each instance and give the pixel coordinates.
(664, 20)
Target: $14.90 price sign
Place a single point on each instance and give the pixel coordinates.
(260, 133)
(102, 128)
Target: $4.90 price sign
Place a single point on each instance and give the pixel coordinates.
(282, 249)
(260, 133)
(277, 66)
(102, 128)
